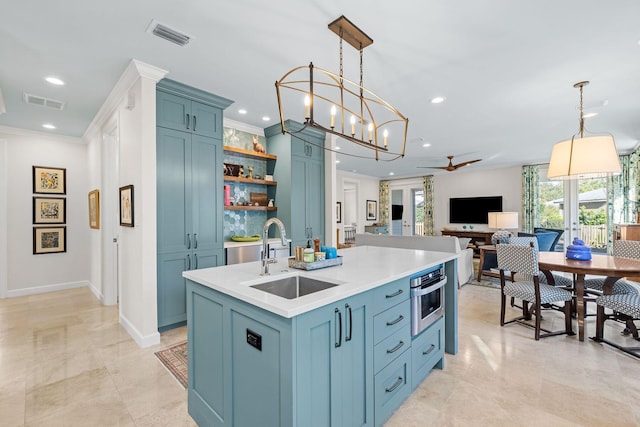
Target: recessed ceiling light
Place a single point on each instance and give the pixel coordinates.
(48, 126)
(266, 118)
(54, 81)
(391, 173)
(438, 100)
(337, 161)
(337, 148)
(242, 111)
(353, 170)
(587, 115)
(426, 144)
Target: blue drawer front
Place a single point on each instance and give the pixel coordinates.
(389, 295)
(392, 320)
(389, 349)
(427, 350)
(392, 386)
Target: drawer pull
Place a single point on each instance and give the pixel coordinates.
(393, 322)
(395, 294)
(396, 348)
(424, 353)
(395, 386)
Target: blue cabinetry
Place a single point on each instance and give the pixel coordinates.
(189, 201)
(300, 175)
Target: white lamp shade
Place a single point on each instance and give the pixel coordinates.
(591, 157)
(503, 220)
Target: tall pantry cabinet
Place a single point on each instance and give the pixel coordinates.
(189, 191)
(300, 175)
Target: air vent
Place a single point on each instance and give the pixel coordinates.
(167, 33)
(43, 102)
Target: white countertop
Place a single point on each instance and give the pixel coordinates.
(232, 244)
(363, 268)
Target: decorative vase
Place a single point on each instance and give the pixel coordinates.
(500, 236)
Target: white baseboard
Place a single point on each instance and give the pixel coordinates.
(141, 340)
(95, 291)
(46, 288)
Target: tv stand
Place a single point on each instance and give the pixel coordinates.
(478, 238)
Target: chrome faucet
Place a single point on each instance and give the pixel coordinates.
(264, 257)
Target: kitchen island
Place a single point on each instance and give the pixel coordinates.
(339, 356)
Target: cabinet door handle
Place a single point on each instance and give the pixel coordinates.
(194, 123)
(195, 241)
(310, 151)
(339, 342)
(195, 256)
(395, 386)
(188, 120)
(188, 262)
(431, 347)
(393, 322)
(396, 348)
(395, 294)
(188, 241)
(347, 307)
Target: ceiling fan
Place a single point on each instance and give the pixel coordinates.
(451, 167)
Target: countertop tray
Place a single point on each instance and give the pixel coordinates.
(315, 265)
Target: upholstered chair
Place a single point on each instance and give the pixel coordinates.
(621, 248)
(625, 307)
(523, 260)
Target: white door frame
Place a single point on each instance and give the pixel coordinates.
(4, 229)
(407, 187)
(110, 211)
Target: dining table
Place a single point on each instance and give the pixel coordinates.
(612, 267)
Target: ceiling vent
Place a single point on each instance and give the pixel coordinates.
(43, 102)
(167, 33)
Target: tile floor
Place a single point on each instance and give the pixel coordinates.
(65, 361)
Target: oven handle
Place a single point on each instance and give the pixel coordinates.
(418, 292)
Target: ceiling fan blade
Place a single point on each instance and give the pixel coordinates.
(433, 167)
(459, 165)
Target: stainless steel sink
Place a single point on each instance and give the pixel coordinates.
(294, 287)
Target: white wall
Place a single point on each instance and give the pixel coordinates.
(505, 182)
(28, 273)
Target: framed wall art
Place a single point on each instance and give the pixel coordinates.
(48, 180)
(49, 240)
(372, 210)
(94, 209)
(126, 206)
(338, 212)
(49, 210)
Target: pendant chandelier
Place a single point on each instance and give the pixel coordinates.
(336, 105)
(584, 157)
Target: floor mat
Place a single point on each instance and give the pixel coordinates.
(174, 359)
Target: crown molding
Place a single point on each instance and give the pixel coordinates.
(8, 130)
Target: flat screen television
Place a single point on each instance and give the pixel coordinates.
(396, 212)
(473, 210)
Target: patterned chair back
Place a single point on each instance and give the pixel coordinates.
(626, 248)
(524, 241)
(517, 258)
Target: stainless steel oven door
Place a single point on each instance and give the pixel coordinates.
(427, 306)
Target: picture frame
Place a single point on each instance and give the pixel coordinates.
(372, 210)
(49, 240)
(338, 212)
(126, 206)
(94, 209)
(49, 180)
(49, 210)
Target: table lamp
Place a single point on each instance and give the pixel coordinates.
(502, 221)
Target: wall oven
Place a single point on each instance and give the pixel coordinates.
(427, 298)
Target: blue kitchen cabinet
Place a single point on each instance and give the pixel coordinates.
(300, 176)
(334, 371)
(189, 110)
(189, 170)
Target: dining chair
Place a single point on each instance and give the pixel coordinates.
(556, 279)
(624, 249)
(625, 307)
(524, 261)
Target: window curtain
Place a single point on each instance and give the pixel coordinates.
(427, 218)
(622, 195)
(530, 197)
(383, 204)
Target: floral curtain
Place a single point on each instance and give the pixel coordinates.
(428, 191)
(530, 197)
(383, 204)
(622, 195)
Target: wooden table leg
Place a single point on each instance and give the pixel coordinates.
(480, 264)
(580, 304)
